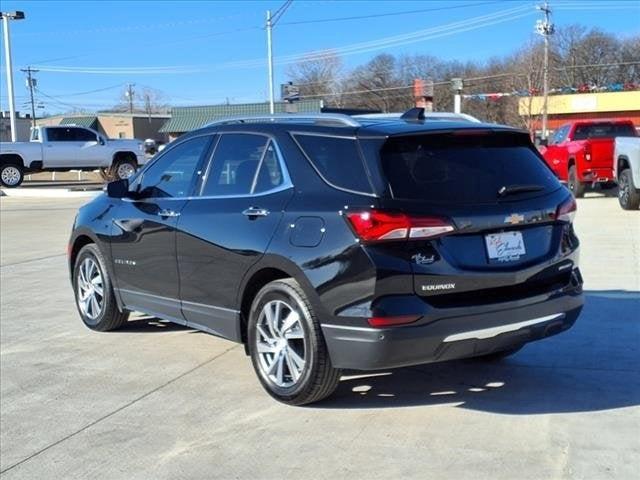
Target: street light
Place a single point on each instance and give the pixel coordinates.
(6, 16)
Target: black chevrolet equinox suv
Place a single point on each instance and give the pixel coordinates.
(326, 242)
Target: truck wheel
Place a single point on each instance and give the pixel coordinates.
(124, 169)
(94, 293)
(11, 175)
(287, 347)
(575, 185)
(628, 194)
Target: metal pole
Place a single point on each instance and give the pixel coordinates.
(270, 62)
(545, 86)
(29, 71)
(7, 56)
(546, 30)
(457, 103)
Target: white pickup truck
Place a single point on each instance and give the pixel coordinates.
(626, 170)
(68, 147)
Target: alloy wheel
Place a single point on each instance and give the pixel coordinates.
(125, 170)
(90, 288)
(623, 191)
(280, 343)
(10, 175)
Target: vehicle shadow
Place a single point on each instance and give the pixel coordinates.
(150, 324)
(592, 367)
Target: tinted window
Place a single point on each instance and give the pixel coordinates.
(337, 160)
(560, 135)
(463, 169)
(61, 134)
(235, 163)
(173, 173)
(83, 135)
(270, 174)
(604, 130)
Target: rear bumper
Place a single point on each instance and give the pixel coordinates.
(597, 175)
(454, 337)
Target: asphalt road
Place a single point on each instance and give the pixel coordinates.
(160, 401)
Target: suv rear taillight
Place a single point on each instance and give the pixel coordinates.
(567, 210)
(587, 152)
(379, 225)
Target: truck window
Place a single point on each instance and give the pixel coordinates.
(35, 135)
(83, 135)
(604, 130)
(61, 134)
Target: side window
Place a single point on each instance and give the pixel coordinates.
(270, 174)
(560, 135)
(174, 172)
(35, 135)
(83, 135)
(235, 162)
(337, 160)
(61, 134)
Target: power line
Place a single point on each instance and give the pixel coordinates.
(356, 48)
(388, 14)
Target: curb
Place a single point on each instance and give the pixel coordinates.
(48, 193)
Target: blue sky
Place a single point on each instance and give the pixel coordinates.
(205, 52)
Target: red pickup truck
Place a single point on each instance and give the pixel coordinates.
(581, 152)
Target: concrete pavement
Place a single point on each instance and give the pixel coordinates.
(160, 401)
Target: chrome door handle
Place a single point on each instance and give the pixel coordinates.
(255, 212)
(168, 213)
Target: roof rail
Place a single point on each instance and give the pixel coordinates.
(332, 118)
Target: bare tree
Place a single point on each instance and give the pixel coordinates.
(319, 76)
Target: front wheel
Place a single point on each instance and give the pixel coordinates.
(628, 194)
(94, 292)
(575, 185)
(124, 168)
(11, 175)
(287, 347)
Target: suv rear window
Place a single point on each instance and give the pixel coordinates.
(464, 167)
(337, 160)
(604, 130)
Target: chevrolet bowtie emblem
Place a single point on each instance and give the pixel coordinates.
(514, 219)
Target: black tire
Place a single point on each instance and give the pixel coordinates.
(497, 356)
(574, 184)
(628, 194)
(117, 170)
(318, 378)
(11, 175)
(109, 317)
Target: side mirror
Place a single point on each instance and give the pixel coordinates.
(544, 142)
(118, 189)
(100, 140)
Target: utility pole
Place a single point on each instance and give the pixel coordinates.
(271, 22)
(270, 62)
(31, 85)
(6, 16)
(129, 94)
(546, 29)
(456, 86)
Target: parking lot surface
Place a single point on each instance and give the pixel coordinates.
(156, 400)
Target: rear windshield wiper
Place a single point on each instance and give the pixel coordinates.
(513, 189)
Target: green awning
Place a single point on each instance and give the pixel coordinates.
(89, 122)
(185, 119)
